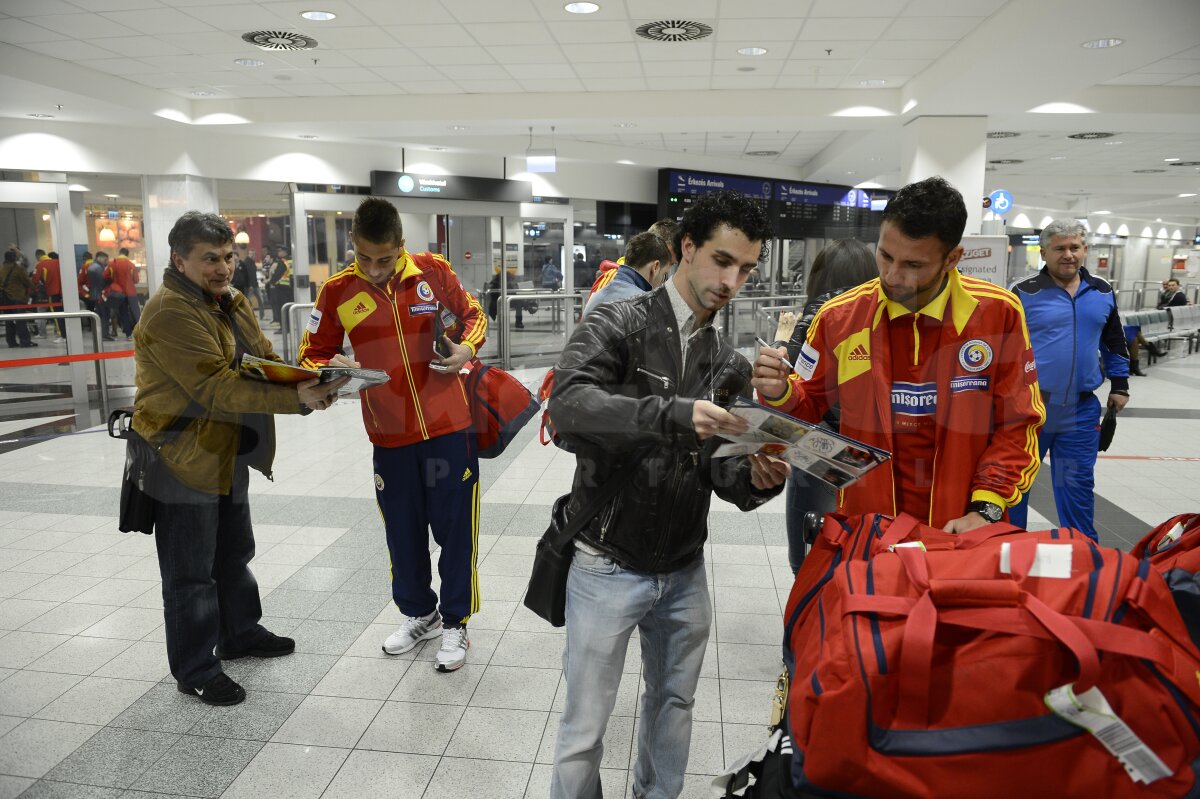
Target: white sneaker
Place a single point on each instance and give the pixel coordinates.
(453, 653)
(413, 631)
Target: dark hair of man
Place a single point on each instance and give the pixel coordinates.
(378, 222)
(731, 208)
(842, 264)
(668, 231)
(52, 255)
(930, 207)
(196, 227)
(644, 249)
(39, 252)
(100, 254)
(123, 252)
(87, 255)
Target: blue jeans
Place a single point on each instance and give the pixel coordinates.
(804, 493)
(1071, 435)
(673, 613)
(205, 544)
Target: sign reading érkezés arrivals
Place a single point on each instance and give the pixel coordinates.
(450, 187)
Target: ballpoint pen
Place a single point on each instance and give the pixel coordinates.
(784, 360)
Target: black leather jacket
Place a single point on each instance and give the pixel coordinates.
(623, 398)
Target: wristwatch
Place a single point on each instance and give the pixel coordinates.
(988, 510)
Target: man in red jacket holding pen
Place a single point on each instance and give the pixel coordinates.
(426, 469)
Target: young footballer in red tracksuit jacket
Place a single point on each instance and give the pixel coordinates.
(426, 467)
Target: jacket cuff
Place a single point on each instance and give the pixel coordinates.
(1119, 383)
(775, 403)
(474, 350)
(981, 495)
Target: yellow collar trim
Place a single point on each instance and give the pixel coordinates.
(960, 302)
(406, 267)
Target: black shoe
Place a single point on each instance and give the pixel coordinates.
(220, 690)
(1137, 373)
(110, 338)
(519, 326)
(272, 646)
(30, 344)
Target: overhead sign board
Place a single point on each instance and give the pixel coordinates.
(450, 187)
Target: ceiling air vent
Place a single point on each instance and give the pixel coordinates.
(1091, 135)
(1003, 134)
(674, 30)
(762, 153)
(1006, 161)
(1148, 171)
(279, 40)
(1185, 163)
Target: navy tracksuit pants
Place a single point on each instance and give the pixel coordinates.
(1071, 435)
(432, 485)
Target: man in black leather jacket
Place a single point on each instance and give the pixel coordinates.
(641, 391)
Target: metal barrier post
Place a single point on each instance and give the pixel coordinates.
(284, 332)
(291, 317)
(101, 371)
(505, 303)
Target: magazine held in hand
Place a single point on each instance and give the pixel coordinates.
(276, 372)
(826, 455)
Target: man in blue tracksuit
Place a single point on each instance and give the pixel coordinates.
(1074, 328)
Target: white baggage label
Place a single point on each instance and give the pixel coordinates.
(1051, 560)
(1091, 711)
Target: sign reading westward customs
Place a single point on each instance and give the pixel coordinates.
(450, 187)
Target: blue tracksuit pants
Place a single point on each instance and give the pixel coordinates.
(1071, 436)
(431, 485)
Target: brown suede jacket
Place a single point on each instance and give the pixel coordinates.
(183, 348)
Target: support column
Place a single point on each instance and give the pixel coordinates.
(165, 198)
(956, 149)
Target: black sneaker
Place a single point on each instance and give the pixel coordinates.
(272, 646)
(220, 690)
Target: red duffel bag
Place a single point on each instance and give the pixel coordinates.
(942, 669)
(1173, 550)
(500, 407)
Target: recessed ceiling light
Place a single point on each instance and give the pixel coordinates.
(1058, 158)
(626, 162)
(851, 172)
(458, 127)
(1167, 160)
(581, 8)
(1159, 219)
(1188, 194)
(306, 136)
(318, 16)
(1111, 143)
(248, 62)
(1101, 213)
(1092, 135)
(202, 93)
(112, 196)
(1100, 44)
(872, 83)
(752, 51)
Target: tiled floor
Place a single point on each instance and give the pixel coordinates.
(87, 707)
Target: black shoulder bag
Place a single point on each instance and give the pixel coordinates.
(142, 461)
(547, 592)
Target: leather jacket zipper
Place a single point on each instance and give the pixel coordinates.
(666, 381)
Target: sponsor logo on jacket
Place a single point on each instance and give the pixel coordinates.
(975, 355)
(914, 399)
(969, 383)
(854, 355)
(355, 310)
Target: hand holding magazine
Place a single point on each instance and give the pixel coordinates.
(276, 372)
(831, 457)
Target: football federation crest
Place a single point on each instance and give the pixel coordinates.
(378, 482)
(424, 292)
(975, 355)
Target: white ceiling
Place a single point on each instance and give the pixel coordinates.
(474, 75)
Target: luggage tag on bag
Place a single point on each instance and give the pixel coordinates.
(908, 545)
(1051, 560)
(1091, 711)
(1170, 538)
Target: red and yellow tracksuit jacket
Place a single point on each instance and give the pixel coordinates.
(391, 327)
(607, 271)
(984, 396)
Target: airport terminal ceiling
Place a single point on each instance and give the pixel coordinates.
(457, 84)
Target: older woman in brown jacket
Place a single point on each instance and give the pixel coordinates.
(192, 333)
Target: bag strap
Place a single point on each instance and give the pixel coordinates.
(577, 522)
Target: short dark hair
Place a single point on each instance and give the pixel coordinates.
(930, 207)
(52, 255)
(99, 253)
(194, 227)
(646, 248)
(843, 263)
(123, 251)
(39, 252)
(378, 222)
(731, 208)
(87, 255)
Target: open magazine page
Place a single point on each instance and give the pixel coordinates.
(275, 372)
(359, 378)
(826, 455)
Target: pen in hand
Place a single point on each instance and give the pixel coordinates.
(782, 359)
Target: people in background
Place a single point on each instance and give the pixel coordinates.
(552, 276)
(931, 366)
(121, 275)
(1075, 328)
(279, 284)
(98, 291)
(47, 287)
(15, 288)
(245, 279)
(193, 328)
(842, 265)
(391, 305)
(646, 265)
(1172, 295)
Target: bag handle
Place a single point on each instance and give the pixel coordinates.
(901, 528)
